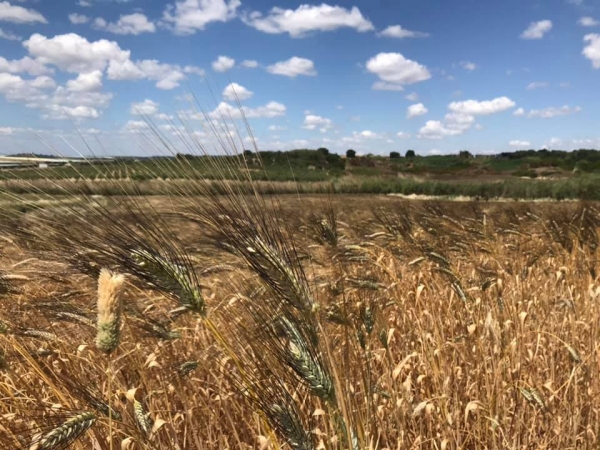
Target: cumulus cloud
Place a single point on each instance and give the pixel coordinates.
(403, 135)
(537, 85)
(270, 110)
(78, 19)
(18, 14)
(145, 108)
(587, 21)
(223, 64)
(383, 86)
(468, 65)
(234, 92)
(412, 97)
(9, 36)
(487, 107)
(453, 124)
(592, 50)
(551, 112)
(73, 53)
(462, 117)
(293, 67)
(519, 112)
(312, 122)
(167, 76)
(418, 109)
(396, 31)
(394, 68)
(86, 82)
(305, 19)
(134, 24)
(517, 143)
(190, 16)
(249, 64)
(537, 30)
(78, 100)
(26, 65)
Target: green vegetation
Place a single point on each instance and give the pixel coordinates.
(523, 174)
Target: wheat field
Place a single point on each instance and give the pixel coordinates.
(222, 317)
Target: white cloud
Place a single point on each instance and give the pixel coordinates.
(249, 64)
(355, 119)
(74, 53)
(519, 112)
(145, 108)
(537, 30)
(462, 117)
(78, 19)
(468, 65)
(167, 76)
(564, 84)
(474, 107)
(312, 122)
(234, 92)
(412, 97)
(84, 3)
(306, 18)
(395, 68)
(86, 82)
(383, 86)
(418, 109)
(9, 36)
(189, 16)
(227, 111)
(7, 130)
(551, 112)
(588, 22)
(26, 64)
(517, 143)
(293, 67)
(368, 134)
(537, 85)
(396, 31)
(453, 125)
(135, 24)
(276, 128)
(223, 64)
(592, 50)
(403, 135)
(18, 14)
(134, 126)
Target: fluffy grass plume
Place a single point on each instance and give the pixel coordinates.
(110, 289)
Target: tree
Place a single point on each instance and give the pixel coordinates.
(394, 155)
(465, 154)
(350, 153)
(410, 154)
(247, 152)
(323, 150)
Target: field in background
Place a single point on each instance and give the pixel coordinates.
(520, 175)
(444, 325)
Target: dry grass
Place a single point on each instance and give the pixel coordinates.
(400, 325)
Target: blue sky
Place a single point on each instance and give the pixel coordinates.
(436, 76)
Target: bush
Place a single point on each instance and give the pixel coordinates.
(410, 154)
(394, 155)
(350, 153)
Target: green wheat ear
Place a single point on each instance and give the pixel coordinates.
(172, 277)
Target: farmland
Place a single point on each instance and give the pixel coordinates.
(304, 322)
(525, 175)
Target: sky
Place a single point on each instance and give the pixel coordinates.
(436, 76)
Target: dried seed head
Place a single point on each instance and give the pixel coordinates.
(110, 289)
